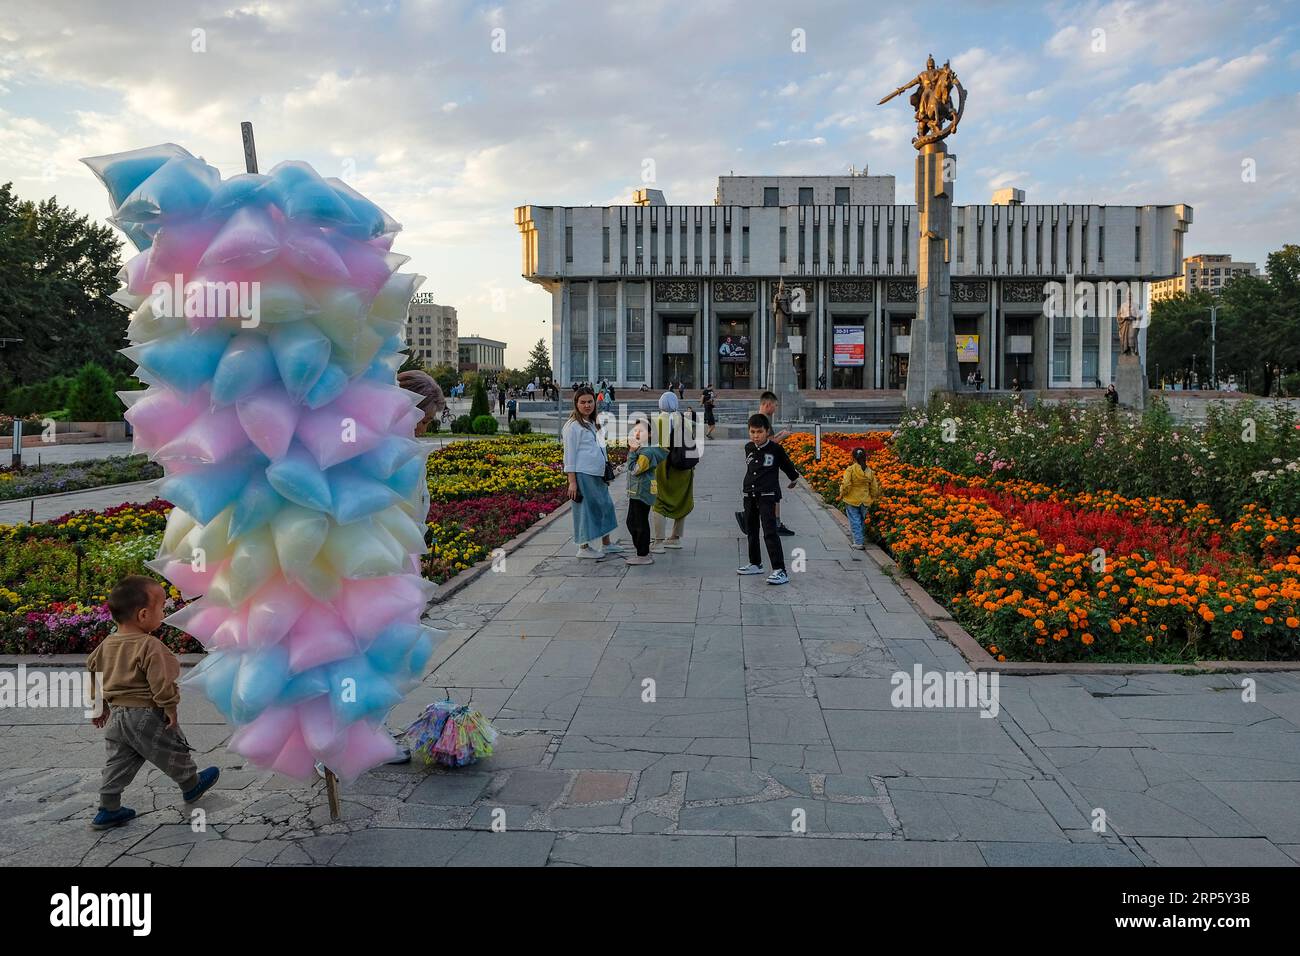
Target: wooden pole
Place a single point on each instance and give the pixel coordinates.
(250, 165)
(250, 148)
(332, 792)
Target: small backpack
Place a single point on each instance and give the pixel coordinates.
(679, 458)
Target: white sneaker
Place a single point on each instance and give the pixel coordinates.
(591, 554)
(674, 543)
(778, 577)
(750, 569)
(614, 548)
(657, 547)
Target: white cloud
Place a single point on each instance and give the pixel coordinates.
(449, 136)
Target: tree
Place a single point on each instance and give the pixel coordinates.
(445, 375)
(479, 406)
(413, 363)
(1257, 333)
(1180, 329)
(1248, 343)
(1259, 321)
(57, 271)
(539, 363)
(91, 398)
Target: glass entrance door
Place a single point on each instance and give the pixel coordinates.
(898, 371)
(900, 332)
(679, 352)
(733, 352)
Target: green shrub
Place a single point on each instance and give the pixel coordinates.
(479, 405)
(91, 397)
(521, 426)
(485, 425)
(463, 425)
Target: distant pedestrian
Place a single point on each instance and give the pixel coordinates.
(709, 400)
(1112, 396)
(501, 399)
(512, 410)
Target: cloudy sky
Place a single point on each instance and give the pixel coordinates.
(451, 114)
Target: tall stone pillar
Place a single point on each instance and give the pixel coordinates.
(932, 365)
(781, 378)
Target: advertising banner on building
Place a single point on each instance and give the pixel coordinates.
(733, 348)
(968, 348)
(850, 346)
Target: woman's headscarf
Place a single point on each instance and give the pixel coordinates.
(667, 402)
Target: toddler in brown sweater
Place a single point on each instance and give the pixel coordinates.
(140, 702)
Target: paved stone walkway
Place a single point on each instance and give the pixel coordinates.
(772, 705)
(51, 506)
(61, 454)
(19, 511)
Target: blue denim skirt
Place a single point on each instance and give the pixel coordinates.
(593, 516)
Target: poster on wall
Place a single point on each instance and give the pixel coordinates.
(733, 348)
(850, 346)
(968, 348)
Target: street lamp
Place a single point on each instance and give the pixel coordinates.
(1214, 319)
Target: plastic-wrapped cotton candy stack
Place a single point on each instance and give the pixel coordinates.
(266, 320)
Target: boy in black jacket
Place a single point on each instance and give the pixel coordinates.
(762, 489)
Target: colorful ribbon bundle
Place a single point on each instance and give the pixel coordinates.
(266, 320)
(450, 735)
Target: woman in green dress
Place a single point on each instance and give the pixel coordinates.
(674, 488)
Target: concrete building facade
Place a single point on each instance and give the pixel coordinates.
(1208, 272)
(657, 293)
(477, 354)
(431, 331)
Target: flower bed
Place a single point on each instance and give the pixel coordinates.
(486, 492)
(1245, 453)
(74, 476)
(1045, 574)
(58, 572)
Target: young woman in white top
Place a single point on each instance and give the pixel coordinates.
(584, 463)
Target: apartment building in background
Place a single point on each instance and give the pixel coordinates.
(431, 331)
(1207, 271)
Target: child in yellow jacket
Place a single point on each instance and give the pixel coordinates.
(859, 490)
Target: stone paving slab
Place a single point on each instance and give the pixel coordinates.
(769, 737)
